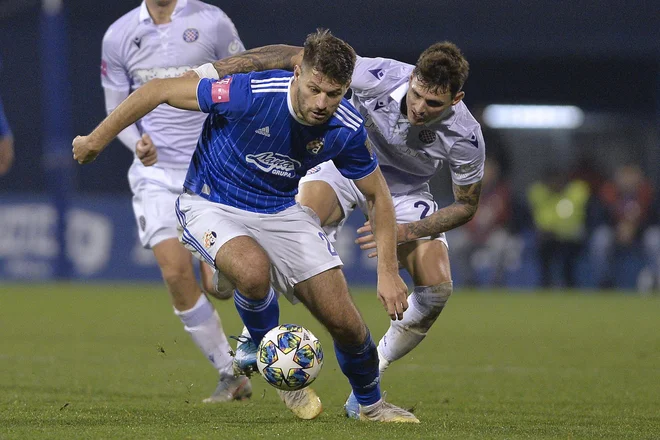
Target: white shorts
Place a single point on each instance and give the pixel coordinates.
(296, 245)
(408, 208)
(155, 190)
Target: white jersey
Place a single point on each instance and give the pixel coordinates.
(135, 50)
(410, 155)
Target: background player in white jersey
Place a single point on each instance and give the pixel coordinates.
(416, 121)
(163, 39)
(264, 131)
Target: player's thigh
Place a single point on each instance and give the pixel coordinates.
(296, 244)
(327, 298)
(427, 261)
(246, 264)
(153, 205)
(223, 237)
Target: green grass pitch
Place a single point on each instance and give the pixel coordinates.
(102, 361)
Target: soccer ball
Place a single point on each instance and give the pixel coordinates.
(289, 357)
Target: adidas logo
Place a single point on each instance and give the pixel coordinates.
(264, 131)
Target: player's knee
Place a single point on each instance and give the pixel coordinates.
(177, 275)
(254, 283)
(434, 297)
(429, 301)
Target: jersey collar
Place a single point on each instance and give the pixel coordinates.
(144, 12)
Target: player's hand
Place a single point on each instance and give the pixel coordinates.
(146, 151)
(84, 149)
(393, 294)
(368, 241)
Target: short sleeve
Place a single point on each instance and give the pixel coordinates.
(228, 96)
(113, 72)
(466, 159)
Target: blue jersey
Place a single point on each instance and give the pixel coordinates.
(4, 125)
(253, 149)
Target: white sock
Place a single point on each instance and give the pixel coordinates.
(424, 307)
(203, 324)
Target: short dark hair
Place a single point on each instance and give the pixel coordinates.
(330, 56)
(442, 67)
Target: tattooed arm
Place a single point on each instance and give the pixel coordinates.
(277, 56)
(466, 201)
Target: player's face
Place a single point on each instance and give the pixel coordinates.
(424, 105)
(316, 98)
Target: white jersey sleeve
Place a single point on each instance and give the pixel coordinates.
(116, 85)
(114, 74)
(373, 76)
(466, 159)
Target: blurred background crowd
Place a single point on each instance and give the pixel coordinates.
(569, 105)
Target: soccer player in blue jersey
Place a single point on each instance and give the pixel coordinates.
(238, 210)
(416, 122)
(6, 144)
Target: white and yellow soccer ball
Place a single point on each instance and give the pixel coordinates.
(289, 357)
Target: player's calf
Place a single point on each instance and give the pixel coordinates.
(425, 305)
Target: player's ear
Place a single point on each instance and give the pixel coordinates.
(459, 96)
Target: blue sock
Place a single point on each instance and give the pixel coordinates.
(360, 364)
(259, 315)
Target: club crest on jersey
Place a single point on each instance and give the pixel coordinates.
(315, 146)
(274, 163)
(220, 90)
(209, 238)
(427, 136)
(190, 35)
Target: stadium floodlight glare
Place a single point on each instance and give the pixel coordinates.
(533, 116)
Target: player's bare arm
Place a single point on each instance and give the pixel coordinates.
(392, 291)
(276, 56)
(178, 92)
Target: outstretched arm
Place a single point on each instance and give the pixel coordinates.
(277, 56)
(178, 92)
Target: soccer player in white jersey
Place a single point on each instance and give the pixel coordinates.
(238, 211)
(416, 122)
(163, 39)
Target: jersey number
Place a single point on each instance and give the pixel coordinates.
(426, 208)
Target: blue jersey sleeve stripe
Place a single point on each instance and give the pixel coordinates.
(258, 81)
(266, 85)
(350, 114)
(352, 125)
(270, 90)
